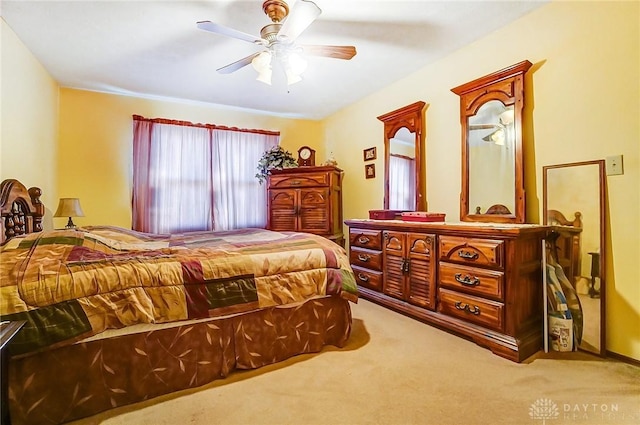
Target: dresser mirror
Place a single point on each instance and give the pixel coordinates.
(492, 153)
(404, 158)
(574, 203)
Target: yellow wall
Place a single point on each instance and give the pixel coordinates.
(95, 145)
(28, 119)
(583, 93)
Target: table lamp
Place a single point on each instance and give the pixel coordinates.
(69, 207)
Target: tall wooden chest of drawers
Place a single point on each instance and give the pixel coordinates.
(306, 199)
(481, 281)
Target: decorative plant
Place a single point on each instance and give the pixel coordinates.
(275, 158)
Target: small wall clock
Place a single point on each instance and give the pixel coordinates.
(306, 157)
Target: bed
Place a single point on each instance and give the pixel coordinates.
(115, 316)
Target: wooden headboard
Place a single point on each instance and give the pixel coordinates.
(20, 209)
(567, 242)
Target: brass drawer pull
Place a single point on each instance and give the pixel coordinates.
(364, 258)
(363, 239)
(467, 280)
(406, 265)
(475, 311)
(294, 182)
(465, 307)
(363, 277)
(468, 255)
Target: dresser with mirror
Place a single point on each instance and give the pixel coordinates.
(491, 111)
(479, 277)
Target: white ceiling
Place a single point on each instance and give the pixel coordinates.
(153, 48)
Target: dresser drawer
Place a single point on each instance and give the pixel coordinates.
(300, 180)
(473, 280)
(364, 238)
(483, 312)
(366, 258)
(482, 252)
(368, 278)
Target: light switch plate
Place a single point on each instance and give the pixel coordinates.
(613, 165)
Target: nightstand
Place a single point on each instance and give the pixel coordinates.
(8, 330)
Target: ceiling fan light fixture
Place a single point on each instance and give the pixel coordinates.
(296, 63)
(292, 78)
(279, 38)
(265, 76)
(262, 64)
(262, 61)
(498, 137)
(507, 117)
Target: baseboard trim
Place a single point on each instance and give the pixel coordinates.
(623, 358)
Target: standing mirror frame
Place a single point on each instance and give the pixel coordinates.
(410, 118)
(574, 203)
(480, 181)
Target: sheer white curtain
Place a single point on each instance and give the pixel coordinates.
(239, 200)
(190, 177)
(177, 184)
(402, 183)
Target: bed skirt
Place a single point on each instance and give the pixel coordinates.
(85, 378)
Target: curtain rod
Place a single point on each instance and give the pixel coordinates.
(210, 126)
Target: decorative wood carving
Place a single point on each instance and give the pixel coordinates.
(21, 209)
(497, 209)
(556, 217)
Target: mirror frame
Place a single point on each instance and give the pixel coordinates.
(602, 238)
(411, 117)
(506, 86)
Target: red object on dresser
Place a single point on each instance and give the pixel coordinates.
(422, 216)
(385, 214)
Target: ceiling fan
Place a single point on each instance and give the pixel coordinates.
(279, 38)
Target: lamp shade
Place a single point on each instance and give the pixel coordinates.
(262, 64)
(69, 207)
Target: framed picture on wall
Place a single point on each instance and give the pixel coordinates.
(370, 171)
(370, 154)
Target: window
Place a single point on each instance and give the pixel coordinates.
(402, 170)
(190, 177)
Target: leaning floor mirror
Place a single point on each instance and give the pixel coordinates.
(574, 203)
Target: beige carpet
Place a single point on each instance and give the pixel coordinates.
(396, 370)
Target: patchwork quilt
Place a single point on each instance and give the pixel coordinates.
(71, 284)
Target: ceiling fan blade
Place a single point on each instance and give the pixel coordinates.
(232, 67)
(336, 52)
(483, 126)
(302, 14)
(229, 32)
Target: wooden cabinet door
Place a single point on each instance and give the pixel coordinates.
(421, 270)
(283, 210)
(313, 210)
(394, 261)
(409, 267)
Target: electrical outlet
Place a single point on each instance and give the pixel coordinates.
(614, 165)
